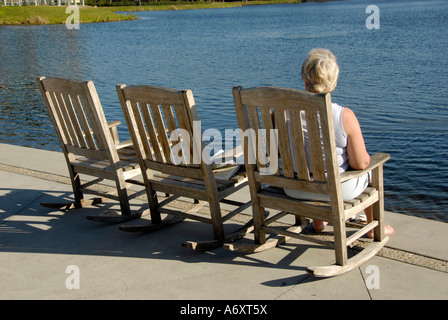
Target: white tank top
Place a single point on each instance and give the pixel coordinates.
(340, 137)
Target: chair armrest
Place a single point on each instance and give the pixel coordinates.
(114, 123)
(375, 161)
(225, 157)
(124, 144)
(114, 131)
(235, 153)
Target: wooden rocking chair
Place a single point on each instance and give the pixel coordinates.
(169, 147)
(90, 145)
(257, 109)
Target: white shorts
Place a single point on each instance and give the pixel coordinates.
(350, 189)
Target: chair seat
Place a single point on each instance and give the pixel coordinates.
(272, 194)
(193, 188)
(128, 163)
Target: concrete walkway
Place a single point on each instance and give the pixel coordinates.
(42, 250)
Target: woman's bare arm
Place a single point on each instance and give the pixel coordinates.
(359, 159)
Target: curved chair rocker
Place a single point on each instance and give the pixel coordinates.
(258, 108)
(163, 126)
(90, 145)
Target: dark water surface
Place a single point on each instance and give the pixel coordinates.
(394, 77)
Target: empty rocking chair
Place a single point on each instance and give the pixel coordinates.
(90, 145)
(161, 122)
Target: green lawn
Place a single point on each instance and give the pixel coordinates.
(198, 5)
(54, 15)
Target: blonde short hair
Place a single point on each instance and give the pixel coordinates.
(320, 71)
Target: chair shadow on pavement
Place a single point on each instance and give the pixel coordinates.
(28, 227)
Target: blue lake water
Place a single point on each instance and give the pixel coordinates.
(394, 77)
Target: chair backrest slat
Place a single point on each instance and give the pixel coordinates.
(183, 123)
(84, 123)
(58, 116)
(284, 142)
(255, 123)
(315, 145)
(137, 119)
(163, 145)
(77, 130)
(148, 115)
(270, 138)
(299, 145)
(67, 119)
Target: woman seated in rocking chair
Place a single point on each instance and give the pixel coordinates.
(320, 74)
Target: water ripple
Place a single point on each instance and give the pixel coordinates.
(394, 78)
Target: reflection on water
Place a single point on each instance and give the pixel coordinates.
(27, 51)
(393, 78)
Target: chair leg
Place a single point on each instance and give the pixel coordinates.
(300, 220)
(124, 202)
(217, 224)
(378, 207)
(259, 232)
(153, 202)
(113, 216)
(77, 193)
(79, 202)
(340, 245)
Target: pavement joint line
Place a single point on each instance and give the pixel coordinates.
(35, 173)
(386, 252)
(410, 258)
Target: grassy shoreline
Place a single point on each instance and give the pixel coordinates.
(201, 5)
(35, 15)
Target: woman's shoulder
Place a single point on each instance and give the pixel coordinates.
(348, 113)
(349, 120)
